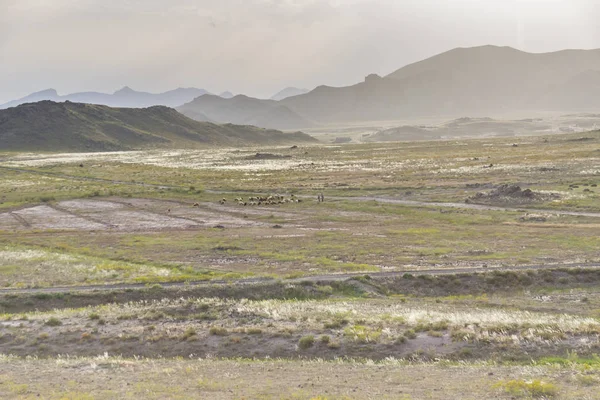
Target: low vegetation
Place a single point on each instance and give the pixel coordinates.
(393, 276)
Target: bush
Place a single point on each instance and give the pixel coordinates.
(218, 331)
(410, 334)
(189, 332)
(335, 324)
(94, 316)
(325, 339)
(306, 342)
(54, 322)
(535, 388)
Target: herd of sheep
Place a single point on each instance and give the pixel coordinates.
(263, 200)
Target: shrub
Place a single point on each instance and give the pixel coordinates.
(54, 322)
(535, 388)
(218, 331)
(189, 332)
(306, 341)
(94, 316)
(333, 345)
(325, 339)
(336, 323)
(254, 331)
(410, 334)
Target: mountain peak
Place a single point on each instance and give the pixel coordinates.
(46, 92)
(125, 90)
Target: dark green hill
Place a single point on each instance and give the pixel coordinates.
(50, 126)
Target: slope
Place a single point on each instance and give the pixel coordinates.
(288, 92)
(478, 81)
(244, 110)
(50, 126)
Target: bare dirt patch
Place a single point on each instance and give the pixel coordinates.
(511, 194)
(46, 217)
(125, 215)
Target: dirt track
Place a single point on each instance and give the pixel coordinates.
(315, 278)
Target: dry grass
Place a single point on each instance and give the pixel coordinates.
(107, 378)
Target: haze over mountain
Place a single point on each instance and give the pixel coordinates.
(125, 97)
(244, 110)
(477, 81)
(52, 126)
(288, 92)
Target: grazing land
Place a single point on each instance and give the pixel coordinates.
(447, 269)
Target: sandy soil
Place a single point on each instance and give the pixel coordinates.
(108, 378)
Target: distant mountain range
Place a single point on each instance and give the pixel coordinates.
(244, 110)
(288, 92)
(125, 97)
(67, 126)
(478, 81)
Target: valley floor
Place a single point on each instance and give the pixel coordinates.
(461, 269)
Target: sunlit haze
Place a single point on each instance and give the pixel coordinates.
(258, 47)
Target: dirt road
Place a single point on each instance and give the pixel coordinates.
(315, 278)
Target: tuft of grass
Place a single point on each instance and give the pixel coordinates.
(535, 388)
(53, 322)
(189, 333)
(410, 334)
(218, 331)
(306, 342)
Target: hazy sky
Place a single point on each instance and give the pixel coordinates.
(257, 47)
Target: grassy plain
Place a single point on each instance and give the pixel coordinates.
(154, 217)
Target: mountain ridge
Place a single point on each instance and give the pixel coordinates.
(244, 110)
(124, 97)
